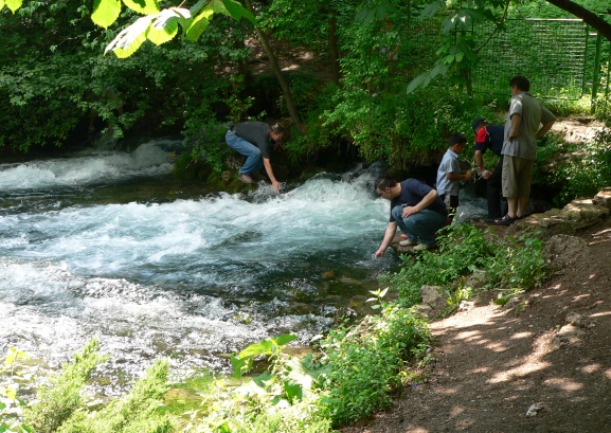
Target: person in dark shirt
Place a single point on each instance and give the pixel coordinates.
(490, 137)
(254, 140)
(415, 208)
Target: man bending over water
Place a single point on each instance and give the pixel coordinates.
(415, 208)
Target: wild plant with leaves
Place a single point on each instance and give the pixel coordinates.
(505, 264)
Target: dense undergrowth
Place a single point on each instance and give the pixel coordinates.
(575, 170)
(350, 373)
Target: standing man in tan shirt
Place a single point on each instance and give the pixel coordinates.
(527, 120)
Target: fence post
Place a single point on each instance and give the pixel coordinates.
(608, 71)
(596, 72)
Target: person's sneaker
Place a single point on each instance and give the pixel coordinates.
(407, 243)
(505, 221)
(423, 247)
(245, 178)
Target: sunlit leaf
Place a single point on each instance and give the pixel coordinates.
(197, 7)
(416, 82)
(105, 12)
(130, 39)
(292, 391)
(199, 25)
(11, 393)
(13, 355)
(146, 7)
(262, 348)
(13, 5)
(284, 339)
(165, 25)
(240, 366)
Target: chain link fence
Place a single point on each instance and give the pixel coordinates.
(562, 58)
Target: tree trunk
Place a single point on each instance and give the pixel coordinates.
(601, 26)
(273, 61)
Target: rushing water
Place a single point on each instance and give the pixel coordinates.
(106, 245)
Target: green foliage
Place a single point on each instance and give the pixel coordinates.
(138, 412)
(161, 26)
(59, 400)
(462, 249)
(577, 170)
(280, 399)
(60, 83)
(361, 364)
(319, 136)
(61, 404)
(515, 264)
(271, 348)
(11, 407)
(402, 129)
(518, 264)
(207, 144)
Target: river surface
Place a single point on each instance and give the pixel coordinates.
(107, 245)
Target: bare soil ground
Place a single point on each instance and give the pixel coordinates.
(546, 369)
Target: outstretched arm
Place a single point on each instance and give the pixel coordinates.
(270, 173)
(389, 234)
(479, 161)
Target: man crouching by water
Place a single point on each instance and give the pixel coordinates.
(255, 140)
(416, 208)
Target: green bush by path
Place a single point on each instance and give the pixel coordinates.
(361, 365)
(576, 170)
(505, 264)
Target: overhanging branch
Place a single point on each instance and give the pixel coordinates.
(601, 26)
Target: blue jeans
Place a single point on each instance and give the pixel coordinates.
(254, 160)
(420, 226)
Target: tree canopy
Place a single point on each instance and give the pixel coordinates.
(368, 54)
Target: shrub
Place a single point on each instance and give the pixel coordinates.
(138, 412)
(509, 264)
(362, 364)
(62, 397)
(577, 170)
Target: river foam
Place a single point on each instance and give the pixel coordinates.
(189, 279)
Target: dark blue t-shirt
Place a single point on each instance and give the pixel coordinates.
(490, 137)
(412, 192)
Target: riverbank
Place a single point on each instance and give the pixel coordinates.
(539, 364)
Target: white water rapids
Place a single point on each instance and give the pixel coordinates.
(186, 279)
(106, 245)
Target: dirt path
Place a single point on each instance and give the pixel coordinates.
(497, 371)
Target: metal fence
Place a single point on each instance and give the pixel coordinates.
(562, 58)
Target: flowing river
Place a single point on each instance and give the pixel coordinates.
(107, 245)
